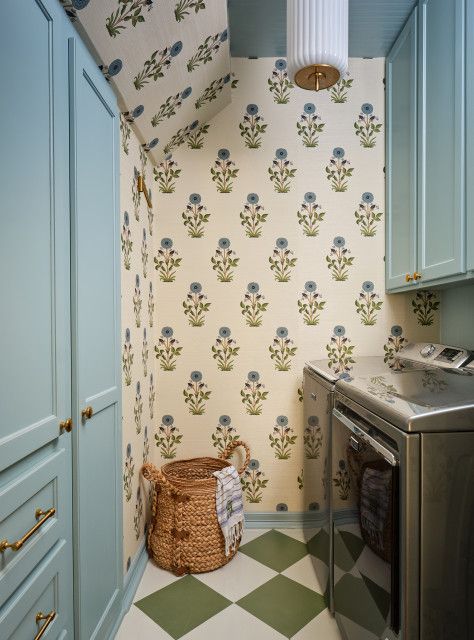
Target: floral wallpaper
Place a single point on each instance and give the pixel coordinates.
(268, 252)
(139, 387)
(168, 61)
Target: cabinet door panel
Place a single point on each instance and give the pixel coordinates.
(470, 133)
(401, 87)
(96, 335)
(441, 160)
(34, 240)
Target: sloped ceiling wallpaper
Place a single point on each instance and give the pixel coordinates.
(168, 61)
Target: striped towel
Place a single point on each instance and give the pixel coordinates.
(229, 507)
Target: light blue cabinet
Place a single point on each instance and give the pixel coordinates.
(401, 155)
(441, 207)
(470, 134)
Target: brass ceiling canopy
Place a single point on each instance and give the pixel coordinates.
(317, 76)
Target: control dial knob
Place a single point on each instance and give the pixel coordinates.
(427, 350)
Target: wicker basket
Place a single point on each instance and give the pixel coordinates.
(184, 535)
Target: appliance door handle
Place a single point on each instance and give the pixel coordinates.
(363, 435)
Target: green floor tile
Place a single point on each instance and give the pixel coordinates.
(275, 550)
(284, 604)
(318, 546)
(380, 596)
(353, 600)
(182, 606)
(347, 549)
(354, 544)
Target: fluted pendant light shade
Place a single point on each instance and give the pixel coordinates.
(317, 42)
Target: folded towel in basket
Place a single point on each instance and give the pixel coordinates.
(229, 507)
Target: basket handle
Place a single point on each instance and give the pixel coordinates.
(225, 455)
(153, 474)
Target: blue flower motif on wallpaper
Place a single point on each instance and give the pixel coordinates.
(128, 473)
(395, 343)
(425, 305)
(309, 126)
(225, 350)
(310, 304)
(207, 50)
(148, 146)
(168, 438)
(282, 438)
(224, 171)
(157, 64)
(253, 306)
(253, 394)
(125, 133)
(368, 215)
(280, 171)
(126, 241)
(196, 394)
(167, 261)
(128, 12)
(146, 445)
(253, 482)
(279, 84)
(151, 304)
(342, 481)
(195, 216)
(310, 215)
(166, 174)
(368, 303)
(253, 216)
(212, 91)
(338, 171)
(367, 126)
(195, 307)
(195, 139)
(131, 116)
(144, 254)
(224, 261)
(180, 137)
(339, 259)
(282, 350)
(312, 438)
(282, 261)
(170, 106)
(145, 354)
(252, 127)
(112, 69)
(224, 435)
(151, 396)
(340, 351)
(138, 408)
(167, 350)
(127, 359)
(184, 7)
(137, 518)
(340, 90)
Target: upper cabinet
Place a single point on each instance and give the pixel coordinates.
(401, 153)
(470, 134)
(426, 97)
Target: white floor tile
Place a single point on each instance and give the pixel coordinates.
(251, 534)
(153, 579)
(233, 624)
(138, 626)
(303, 535)
(323, 627)
(304, 572)
(237, 578)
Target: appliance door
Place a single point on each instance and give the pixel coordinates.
(365, 500)
(318, 401)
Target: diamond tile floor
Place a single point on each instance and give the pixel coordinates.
(268, 591)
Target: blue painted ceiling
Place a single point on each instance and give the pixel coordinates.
(258, 27)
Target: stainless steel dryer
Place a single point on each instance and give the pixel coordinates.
(403, 468)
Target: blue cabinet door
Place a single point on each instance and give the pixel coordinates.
(96, 346)
(35, 360)
(441, 229)
(401, 156)
(470, 133)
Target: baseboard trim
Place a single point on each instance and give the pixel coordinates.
(285, 519)
(131, 581)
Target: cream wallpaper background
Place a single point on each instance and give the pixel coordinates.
(316, 267)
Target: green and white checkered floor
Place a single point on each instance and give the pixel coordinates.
(268, 591)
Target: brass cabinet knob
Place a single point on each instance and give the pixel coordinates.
(417, 276)
(87, 413)
(408, 277)
(66, 425)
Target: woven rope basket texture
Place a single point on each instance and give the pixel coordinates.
(184, 535)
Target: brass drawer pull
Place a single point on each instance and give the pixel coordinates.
(417, 276)
(39, 513)
(408, 278)
(87, 413)
(48, 618)
(66, 425)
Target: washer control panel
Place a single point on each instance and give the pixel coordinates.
(436, 355)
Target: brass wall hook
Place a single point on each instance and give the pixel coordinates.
(141, 186)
